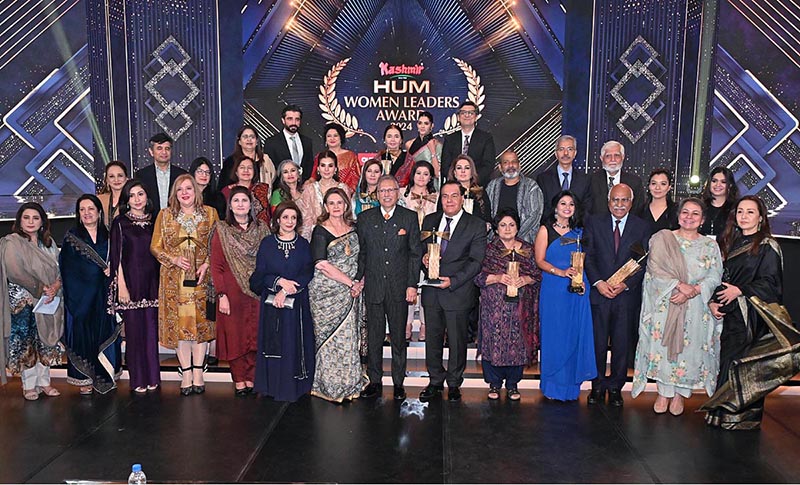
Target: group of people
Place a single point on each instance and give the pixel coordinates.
(296, 264)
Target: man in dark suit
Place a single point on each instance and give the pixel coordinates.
(390, 252)
(609, 242)
(612, 154)
(289, 144)
(563, 177)
(447, 305)
(159, 177)
(471, 141)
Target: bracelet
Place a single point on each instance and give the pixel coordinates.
(553, 270)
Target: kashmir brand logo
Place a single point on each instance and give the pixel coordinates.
(399, 94)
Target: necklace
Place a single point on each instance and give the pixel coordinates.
(286, 246)
(560, 226)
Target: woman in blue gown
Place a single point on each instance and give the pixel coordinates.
(567, 342)
(91, 335)
(284, 268)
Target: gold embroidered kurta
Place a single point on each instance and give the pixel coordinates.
(182, 312)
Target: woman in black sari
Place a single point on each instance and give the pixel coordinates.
(91, 335)
(753, 267)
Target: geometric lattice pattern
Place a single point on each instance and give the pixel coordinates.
(172, 87)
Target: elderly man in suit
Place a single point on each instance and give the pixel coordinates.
(289, 144)
(563, 176)
(610, 240)
(159, 177)
(448, 304)
(389, 257)
(471, 141)
(612, 155)
(512, 190)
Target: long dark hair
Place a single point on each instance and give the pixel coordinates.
(212, 181)
(113, 163)
(101, 228)
(425, 164)
(44, 232)
(348, 208)
(576, 220)
(733, 190)
(659, 171)
(125, 196)
(732, 233)
(229, 217)
(326, 154)
(275, 225)
(362, 185)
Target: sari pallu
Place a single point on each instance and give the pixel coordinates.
(339, 326)
(26, 265)
(91, 335)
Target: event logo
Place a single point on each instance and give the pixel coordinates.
(398, 95)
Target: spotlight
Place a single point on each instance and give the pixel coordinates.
(694, 179)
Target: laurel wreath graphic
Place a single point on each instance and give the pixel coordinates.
(475, 94)
(331, 109)
(334, 112)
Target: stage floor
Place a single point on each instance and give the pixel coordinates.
(218, 438)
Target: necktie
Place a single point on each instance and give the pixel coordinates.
(465, 148)
(610, 183)
(565, 183)
(617, 236)
(295, 151)
(445, 242)
(386, 216)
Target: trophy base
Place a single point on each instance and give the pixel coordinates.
(511, 299)
(189, 283)
(576, 289)
(431, 282)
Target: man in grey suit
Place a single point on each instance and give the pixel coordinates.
(515, 191)
(389, 259)
(448, 304)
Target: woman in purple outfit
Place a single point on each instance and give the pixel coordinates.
(134, 285)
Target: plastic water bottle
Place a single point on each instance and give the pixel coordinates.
(137, 475)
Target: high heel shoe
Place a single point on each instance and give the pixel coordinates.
(201, 388)
(49, 391)
(185, 391)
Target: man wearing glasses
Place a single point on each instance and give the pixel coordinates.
(612, 155)
(563, 176)
(610, 240)
(471, 141)
(389, 258)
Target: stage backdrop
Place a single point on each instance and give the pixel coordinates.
(687, 84)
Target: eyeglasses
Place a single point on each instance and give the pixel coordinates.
(621, 200)
(467, 113)
(386, 191)
(565, 149)
(200, 171)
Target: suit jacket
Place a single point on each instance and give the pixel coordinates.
(529, 205)
(278, 150)
(147, 176)
(481, 149)
(599, 182)
(390, 253)
(601, 262)
(461, 262)
(551, 185)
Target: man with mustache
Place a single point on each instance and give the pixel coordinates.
(563, 176)
(289, 144)
(612, 155)
(609, 240)
(512, 190)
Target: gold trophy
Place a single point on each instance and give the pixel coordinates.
(434, 256)
(577, 259)
(512, 291)
(468, 204)
(631, 267)
(190, 275)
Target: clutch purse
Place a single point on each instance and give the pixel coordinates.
(287, 303)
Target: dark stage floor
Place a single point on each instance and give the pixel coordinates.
(218, 438)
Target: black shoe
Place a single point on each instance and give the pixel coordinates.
(199, 389)
(372, 391)
(187, 391)
(430, 392)
(597, 396)
(243, 392)
(453, 394)
(399, 393)
(250, 390)
(615, 398)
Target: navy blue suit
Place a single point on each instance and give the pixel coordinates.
(615, 319)
(551, 185)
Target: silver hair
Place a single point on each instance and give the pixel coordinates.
(384, 178)
(609, 144)
(567, 138)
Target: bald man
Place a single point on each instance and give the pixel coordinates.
(609, 240)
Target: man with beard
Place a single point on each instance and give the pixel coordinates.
(289, 144)
(515, 191)
(612, 154)
(563, 176)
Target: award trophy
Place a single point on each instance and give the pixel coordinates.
(434, 256)
(577, 258)
(512, 292)
(630, 267)
(468, 204)
(190, 275)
